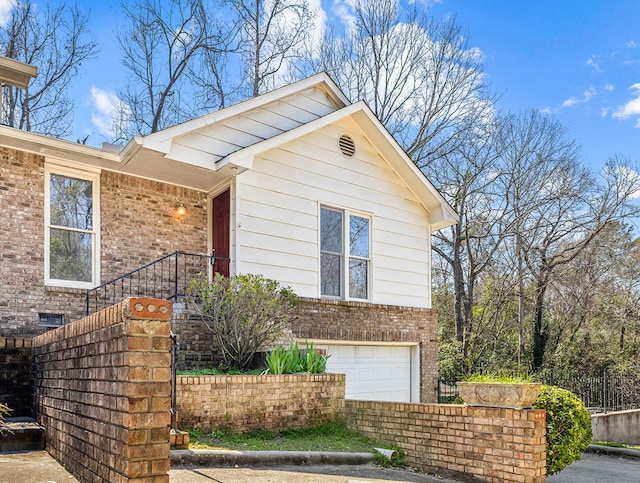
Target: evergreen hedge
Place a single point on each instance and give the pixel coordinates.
(568, 427)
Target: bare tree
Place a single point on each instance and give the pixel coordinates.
(55, 41)
(467, 175)
(162, 43)
(417, 74)
(559, 206)
(594, 305)
(272, 34)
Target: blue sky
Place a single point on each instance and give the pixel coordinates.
(577, 59)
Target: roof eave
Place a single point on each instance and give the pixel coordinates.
(48, 146)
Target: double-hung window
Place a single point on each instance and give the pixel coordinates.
(345, 260)
(71, 227)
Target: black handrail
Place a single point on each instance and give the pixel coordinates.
(168, 278)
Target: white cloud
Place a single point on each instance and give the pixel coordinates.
(343, 10)
(604, 112)
(608, 87)
(108, 110)
(320, 25)
(630, 108)
(5, 10)
(627, 173)
(588, 95)
(632, 44)
(593, 64)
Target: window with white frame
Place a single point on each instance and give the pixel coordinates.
(71, 225)
(344, 254)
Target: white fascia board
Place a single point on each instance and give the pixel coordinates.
(441, 213)
(16, 73)
(57, 148)
(318, 80)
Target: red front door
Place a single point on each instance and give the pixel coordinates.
(221, 209)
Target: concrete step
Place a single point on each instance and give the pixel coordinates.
(21, 434)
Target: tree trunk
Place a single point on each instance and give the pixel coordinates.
(458, 288)
(540, 332)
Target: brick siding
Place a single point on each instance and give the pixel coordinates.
(359, 321)
(244, 403)
(16, 390)
(490, 444)
(103, 392)
(138, 225)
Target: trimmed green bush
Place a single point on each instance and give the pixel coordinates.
(568, 427)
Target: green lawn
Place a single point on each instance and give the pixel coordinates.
(327, 437)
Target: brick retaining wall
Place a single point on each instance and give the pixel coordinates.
(16, 390)
(243, 403)
(103, 392)
(491, 444)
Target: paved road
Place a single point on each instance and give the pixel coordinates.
(38, 467)
(595, 468)
(301, 474)
(592, 468)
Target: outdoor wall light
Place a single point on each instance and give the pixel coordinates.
(181, 210)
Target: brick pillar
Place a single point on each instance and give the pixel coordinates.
(148, 389)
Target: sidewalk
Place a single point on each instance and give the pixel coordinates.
(32, 467)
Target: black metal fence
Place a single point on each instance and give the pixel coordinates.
(601, 393)
(446, 392)
(166, 278)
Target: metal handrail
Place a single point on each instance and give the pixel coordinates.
(167, 277)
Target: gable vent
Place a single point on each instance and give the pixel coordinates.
(347, 145)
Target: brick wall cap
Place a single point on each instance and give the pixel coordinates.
(146, 308)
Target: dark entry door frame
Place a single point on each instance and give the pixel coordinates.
(221, 232)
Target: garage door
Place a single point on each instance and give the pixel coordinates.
(373, 373)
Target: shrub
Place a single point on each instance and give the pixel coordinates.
(244, 313)
(568, 427)
(293, 360)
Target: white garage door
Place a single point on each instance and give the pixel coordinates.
(374, 373)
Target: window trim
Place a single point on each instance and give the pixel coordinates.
(70, 170)
(346, 256)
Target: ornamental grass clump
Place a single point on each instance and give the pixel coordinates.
(292, 360)
(568, 427)
(4, 411)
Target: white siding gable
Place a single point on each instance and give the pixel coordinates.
(277, 222)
